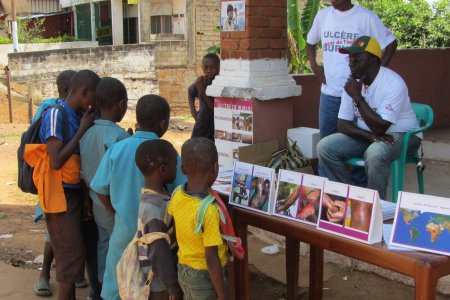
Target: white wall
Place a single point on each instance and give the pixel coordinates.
(8, 48)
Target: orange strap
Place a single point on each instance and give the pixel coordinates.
(48, 180)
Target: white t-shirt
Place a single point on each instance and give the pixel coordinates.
(388, 97)
(337, 29)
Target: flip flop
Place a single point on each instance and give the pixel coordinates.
(81, 284)
(42, 288)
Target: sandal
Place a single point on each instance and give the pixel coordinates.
(42, 288)
(81, 284)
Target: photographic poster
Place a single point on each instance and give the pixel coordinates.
(287, 195)
(422, 222)
(351, 212)
(232, 15)
(309, 201)
(233, 122)
(241, 184)
(252, 187)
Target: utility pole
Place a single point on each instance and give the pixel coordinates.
(14, 27)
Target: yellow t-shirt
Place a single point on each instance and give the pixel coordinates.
(191, 252)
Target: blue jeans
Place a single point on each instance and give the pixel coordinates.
(328, 114)
(336, 149)
(328, 117)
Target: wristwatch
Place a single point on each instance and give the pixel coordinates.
(356, 104)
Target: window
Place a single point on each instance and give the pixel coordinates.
(161, 24)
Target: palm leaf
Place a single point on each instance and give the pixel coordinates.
(308, 15)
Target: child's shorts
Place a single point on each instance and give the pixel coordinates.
(67, 238)
(196, 284)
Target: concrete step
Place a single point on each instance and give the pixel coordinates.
(436, 144)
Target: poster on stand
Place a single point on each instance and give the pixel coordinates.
(233, 122)
(350, 211)
(253, 187)
(298, 196)
(232, 15)
(422, 222)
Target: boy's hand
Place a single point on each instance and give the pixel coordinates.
(175, 297)
(87, 119)
(200, 85)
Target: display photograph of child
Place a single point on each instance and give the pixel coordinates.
(358, 215)
(287, 199)
(232, 15)
(260, 193)
(235, 153)
(242, 138)
(242, 121)
(241, 189)
(333, 208)
(222, 135)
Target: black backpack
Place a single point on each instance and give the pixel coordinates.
(31, 136)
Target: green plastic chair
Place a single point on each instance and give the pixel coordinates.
(425, 116)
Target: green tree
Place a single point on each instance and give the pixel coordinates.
(439, 27)
(30, 30)
(298, 27)
(414, 22)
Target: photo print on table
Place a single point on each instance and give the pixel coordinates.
(252, 187)
(309, 202)
(352, 212)
(287, 195)
(241, 184)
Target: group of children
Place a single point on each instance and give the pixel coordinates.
(97, 171)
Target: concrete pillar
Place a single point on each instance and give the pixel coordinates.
(254, 66)
(144, 21)
(117, 22)
(75, 21)
(93, 31)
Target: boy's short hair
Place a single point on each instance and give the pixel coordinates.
(151, 110)
(212, 56)
(151, 154)
(84, 78)
(198, 154)
(110, 91)
(229, 8)
(63, 81)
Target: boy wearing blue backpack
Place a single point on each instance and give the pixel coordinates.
(118, 183)
(203, 255)
(57, 177)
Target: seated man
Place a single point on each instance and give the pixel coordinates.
(374, 114)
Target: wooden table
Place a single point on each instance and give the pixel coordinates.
(424, 268)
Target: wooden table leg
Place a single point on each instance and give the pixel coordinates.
(315, 272)
(292, 267)
(241, 266)
(425, 283)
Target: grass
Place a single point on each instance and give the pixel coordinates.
(10, 135)
(3, 216)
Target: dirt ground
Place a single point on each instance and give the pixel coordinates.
(18, 272)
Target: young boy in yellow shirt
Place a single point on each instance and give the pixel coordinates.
(201, 256)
